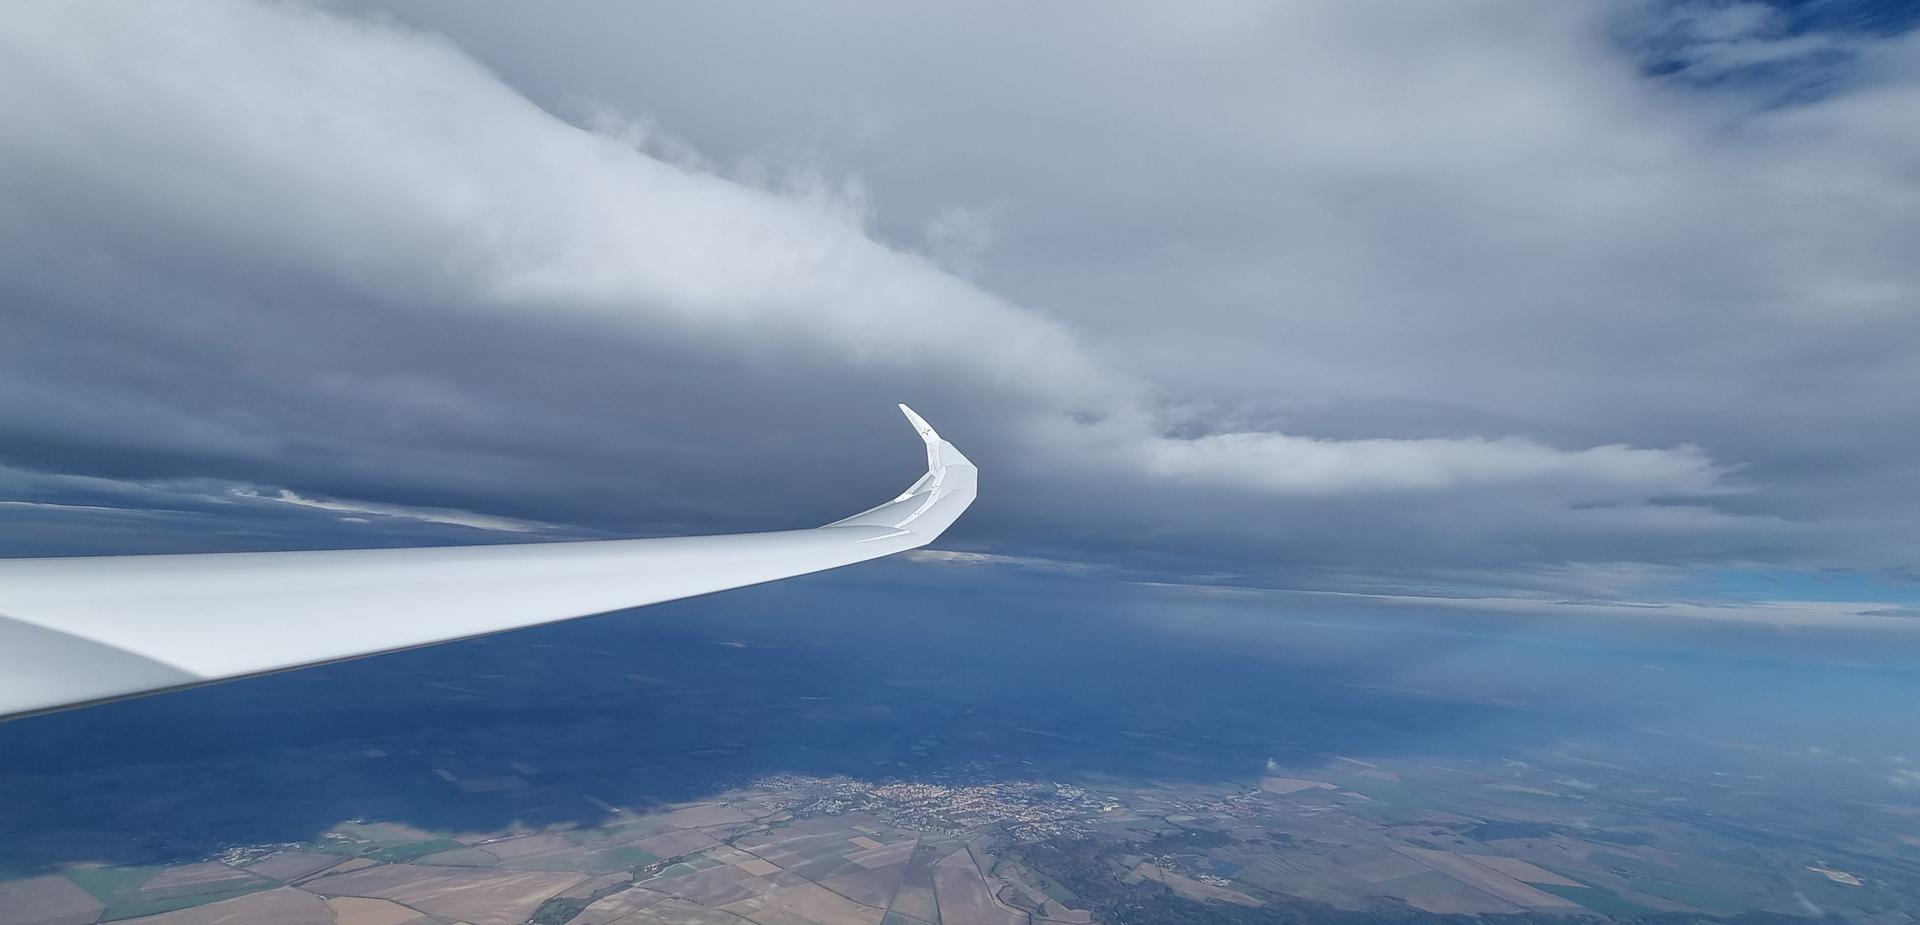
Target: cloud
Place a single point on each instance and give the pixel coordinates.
(1294, 464)
(430, 515)
(81, 515)
(960, 559)
(1493, 295)
(1780, 614)
(386, 159)
(1889, 612)
(957, 236)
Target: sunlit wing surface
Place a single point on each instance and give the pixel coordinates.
(82, 630)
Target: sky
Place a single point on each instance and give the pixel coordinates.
(1584, 304)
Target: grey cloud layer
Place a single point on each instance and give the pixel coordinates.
(1320, 291)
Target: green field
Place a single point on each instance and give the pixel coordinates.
(1599, 901)
(139, 906)
(119, 888)
(1695, 896)
(110, 884)
(410, 850)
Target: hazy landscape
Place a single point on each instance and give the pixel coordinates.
(995, 753)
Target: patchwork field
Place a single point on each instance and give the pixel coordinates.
(1388, 839)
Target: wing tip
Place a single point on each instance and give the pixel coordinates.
(920, 425)
(946, 489)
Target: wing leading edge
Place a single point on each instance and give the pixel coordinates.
(82, 630)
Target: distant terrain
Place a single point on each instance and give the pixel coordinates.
(720, 765)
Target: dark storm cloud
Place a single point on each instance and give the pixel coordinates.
(1458, 298)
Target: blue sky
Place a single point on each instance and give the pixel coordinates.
(1506, 301)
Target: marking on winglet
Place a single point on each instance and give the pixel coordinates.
(935, 466)
(920, 424)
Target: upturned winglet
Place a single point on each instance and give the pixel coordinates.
(930, 505)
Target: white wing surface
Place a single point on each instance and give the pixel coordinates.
(82, 630)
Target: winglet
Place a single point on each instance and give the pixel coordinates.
(935, 500)
(933, 441)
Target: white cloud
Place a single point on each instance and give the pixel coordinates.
(427, 514)
(387, 159)
(958, 236)
(1852, 615)
(1459, 288)
(1300, 465)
